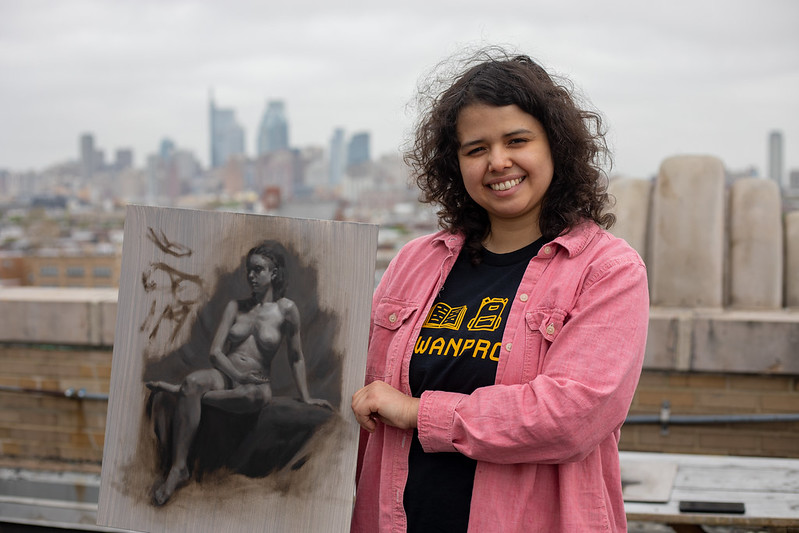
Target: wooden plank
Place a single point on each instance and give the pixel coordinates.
(728, 474)
(768, 487)
(249, 472)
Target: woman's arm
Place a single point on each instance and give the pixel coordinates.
(581, 395)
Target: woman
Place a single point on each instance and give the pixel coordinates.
(504, 350)
(247, 339)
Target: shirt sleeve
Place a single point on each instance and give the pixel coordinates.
(580, 396)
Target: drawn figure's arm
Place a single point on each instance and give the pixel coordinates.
(219, 359)
(294, 350)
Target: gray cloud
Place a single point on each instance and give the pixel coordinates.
(701, 77)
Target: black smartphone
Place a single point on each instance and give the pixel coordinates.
(712, 507)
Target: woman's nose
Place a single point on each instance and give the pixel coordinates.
(498, 160)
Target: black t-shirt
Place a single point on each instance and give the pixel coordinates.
(457, 351)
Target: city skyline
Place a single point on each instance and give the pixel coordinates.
(702, 77)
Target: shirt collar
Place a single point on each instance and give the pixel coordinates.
(573, 240)
(453, 241)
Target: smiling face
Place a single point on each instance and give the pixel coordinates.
(505, 163)
(259, 273)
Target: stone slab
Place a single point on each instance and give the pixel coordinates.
(55, 315)
(647, 481)
(756, 245)
(632, 211)
(751, 342)
(108, 319)
(792, 259)
(668, 343)
(709, 340)
(686, 249)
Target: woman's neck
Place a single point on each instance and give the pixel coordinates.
(264, 297)
(505, 238)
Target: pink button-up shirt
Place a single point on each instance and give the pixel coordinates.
(546, 434)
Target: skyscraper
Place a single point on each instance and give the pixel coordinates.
(337, 155)
(775, 157)
(124, 159)
(226, 135)
(87, 157)
(358, 149)
(273, 135)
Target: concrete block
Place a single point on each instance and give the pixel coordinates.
(749, 342)
(792, 259)
(756, 245)
(53, 315)
(632, 211)
(686, 249)
(108, 319)
(668, 342)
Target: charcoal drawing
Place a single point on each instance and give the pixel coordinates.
(239, 340)
(219, 404)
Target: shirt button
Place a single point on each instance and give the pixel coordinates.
(392, 318)
(551, 329)
(523, 297)
(547, 250)
(509, 346)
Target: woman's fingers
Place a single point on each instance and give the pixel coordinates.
(380, 401)
(254, 377)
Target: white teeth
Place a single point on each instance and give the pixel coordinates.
(505, 185)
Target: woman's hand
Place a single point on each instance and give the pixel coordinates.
(320, 403)
(253, 377)
(380, 401)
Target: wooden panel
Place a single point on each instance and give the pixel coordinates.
(768, 487)
(287, 466)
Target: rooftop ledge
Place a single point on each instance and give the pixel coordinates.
(680, 339)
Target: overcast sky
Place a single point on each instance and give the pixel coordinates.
(698, 76)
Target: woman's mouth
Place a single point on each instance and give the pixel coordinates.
(505, 185)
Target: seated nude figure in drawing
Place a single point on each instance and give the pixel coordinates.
(247, 338)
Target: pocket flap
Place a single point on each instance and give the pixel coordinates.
(547, 320)
(391, 314)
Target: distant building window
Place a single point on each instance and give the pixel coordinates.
(75, 272)
(102, 272)
(49, 271)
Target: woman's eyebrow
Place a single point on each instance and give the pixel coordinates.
(518, 132)
(509, 134)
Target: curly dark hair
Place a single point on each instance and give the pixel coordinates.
(277, 254)
(576, 138)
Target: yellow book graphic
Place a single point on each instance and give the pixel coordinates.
(444, 316)
(489, 316)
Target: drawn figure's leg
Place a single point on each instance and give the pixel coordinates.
(186, 422)
(164, 386)
(240, 400)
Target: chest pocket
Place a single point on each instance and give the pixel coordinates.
(386, 343)
(543, 327)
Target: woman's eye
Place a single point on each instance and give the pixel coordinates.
(474, 151)
(517, 141)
